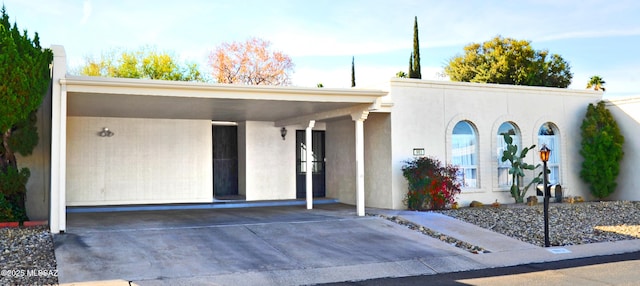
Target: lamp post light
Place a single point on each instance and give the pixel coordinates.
(544, 156)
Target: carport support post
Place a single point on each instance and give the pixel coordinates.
(309, 163)
(58, 205)
(359, 118)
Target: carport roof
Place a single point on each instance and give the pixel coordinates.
(142, 98)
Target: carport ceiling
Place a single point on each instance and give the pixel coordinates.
(100, 97)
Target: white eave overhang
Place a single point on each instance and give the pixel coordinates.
(139, 98)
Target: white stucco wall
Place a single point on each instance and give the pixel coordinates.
(146, 161)
(340, 160)
(425, 112)
(626, 112)
(377, 160)
(268, 163)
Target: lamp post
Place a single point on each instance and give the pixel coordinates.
(544, 156)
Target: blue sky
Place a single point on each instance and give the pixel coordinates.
(595, 37)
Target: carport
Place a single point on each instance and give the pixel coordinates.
(139, 99)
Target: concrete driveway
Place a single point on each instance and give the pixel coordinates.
(249, 246)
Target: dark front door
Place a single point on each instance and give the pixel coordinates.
(225, 161)
(318, 164)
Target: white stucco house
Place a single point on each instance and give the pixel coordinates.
(109, 141)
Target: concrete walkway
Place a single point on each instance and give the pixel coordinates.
(507, 251)
(282, 246)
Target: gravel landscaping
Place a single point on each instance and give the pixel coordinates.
(569, 224)
(27, 256)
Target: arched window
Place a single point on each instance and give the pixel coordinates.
(548, 135)
(504, 179)
(464, 151)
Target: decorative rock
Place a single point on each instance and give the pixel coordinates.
(27, 249)
(495, 204)
(476, 204)
(532, 200)
(579, 199)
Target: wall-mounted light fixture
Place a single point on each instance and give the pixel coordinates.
(283, 132)
(105, 132)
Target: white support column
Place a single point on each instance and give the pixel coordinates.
(359, 118)
(54, 203)
(62, 203)
(309, 163)
(58, 207)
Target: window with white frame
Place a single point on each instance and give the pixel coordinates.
(464, 153)
(548, 135)
(504, 179)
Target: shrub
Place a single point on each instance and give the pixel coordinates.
(602, 150)
(13, 190)
(6, 210)
(431, 185)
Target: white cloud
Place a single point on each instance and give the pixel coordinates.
(86, 12)
(632, 31)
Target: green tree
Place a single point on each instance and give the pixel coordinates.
(602, 144)
(146, 63)
(353, 73)
(414, 60)
(25, 78)
(509, 61)
(410, 66)
(596, 82)
(401, 74)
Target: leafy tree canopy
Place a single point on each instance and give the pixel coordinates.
(509, 61)
(145, 62)
(250, 62)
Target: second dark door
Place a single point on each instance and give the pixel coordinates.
(318, 164)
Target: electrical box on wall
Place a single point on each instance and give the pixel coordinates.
(418, 152)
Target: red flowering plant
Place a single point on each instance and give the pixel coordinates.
(431, 185)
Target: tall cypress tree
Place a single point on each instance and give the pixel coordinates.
(410, 74)
(414, 62)
(353, 73)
